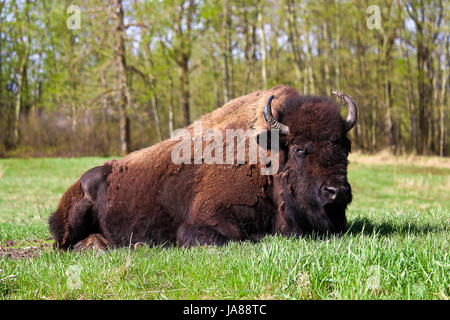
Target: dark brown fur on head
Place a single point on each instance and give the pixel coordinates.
(315, 164)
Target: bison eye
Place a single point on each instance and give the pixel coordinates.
(300, 152)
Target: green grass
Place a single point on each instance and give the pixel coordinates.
(396, 246)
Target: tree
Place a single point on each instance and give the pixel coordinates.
(122, 87)
(185, 17)
(262, 35)
(426, 35)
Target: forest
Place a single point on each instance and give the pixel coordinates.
(106, 78)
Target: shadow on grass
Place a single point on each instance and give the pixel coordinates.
(368, 227)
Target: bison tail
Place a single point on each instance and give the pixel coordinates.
(59, 220)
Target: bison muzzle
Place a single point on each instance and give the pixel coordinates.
(146, 197)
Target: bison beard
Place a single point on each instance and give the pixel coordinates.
(145, 197)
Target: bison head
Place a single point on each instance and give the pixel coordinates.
(311, 186)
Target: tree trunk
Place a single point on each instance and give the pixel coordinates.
(293, 37)
(387, 95)
(309, 86)
(410, 94)
(337, 48)
(124, 95)
(171, 106)
(17, 105)
(249, 51)
(155, 113)
(443, 93)
(154, 110)
(226, 48)
(184, 90)
(23, 59)
(327, 59)
(182, 53)
(422, 56)
(361, 135)
(374, 126)
(104, 119)
(263, 45)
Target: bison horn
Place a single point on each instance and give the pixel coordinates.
(271, 121)
(352, 111)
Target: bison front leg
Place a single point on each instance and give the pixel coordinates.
(189, 235)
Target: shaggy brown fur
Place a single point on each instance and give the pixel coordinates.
(59, 223)
(145, 197)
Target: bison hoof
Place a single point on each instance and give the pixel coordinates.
(138, 245)
(94, 241)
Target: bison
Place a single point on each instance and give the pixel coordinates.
(146, 197)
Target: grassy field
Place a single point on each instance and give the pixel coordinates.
(396, 246)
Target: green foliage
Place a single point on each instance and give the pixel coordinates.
(70, 80)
